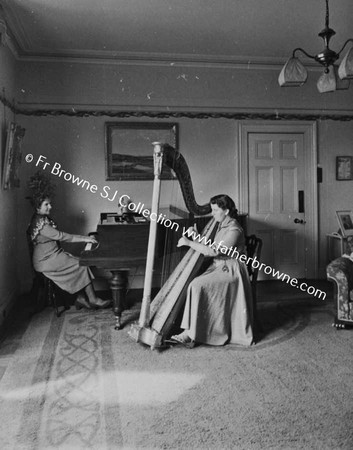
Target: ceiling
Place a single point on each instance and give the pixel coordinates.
(203, 31)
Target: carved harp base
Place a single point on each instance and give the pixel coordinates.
(146, 336)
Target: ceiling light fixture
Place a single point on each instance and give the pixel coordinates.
(333, 78)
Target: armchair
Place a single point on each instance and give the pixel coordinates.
(340, 272)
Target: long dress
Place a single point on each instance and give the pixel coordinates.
(50, 259)
(218, 307)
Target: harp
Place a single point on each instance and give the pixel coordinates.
(158, 316)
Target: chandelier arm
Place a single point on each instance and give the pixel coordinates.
(344, 45)
(303, 51)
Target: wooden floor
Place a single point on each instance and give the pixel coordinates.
(267, 291)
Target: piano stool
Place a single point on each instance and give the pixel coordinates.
(45, 292)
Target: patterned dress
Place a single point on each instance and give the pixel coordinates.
(50, 259)
(218, 307)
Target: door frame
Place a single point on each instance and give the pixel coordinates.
(309, 131)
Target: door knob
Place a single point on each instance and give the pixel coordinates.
(299, 221)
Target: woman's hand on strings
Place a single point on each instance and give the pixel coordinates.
(192, 232)
(183, 241)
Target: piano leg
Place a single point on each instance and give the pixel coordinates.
(118, 286)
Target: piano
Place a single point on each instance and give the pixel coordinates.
(122, 245)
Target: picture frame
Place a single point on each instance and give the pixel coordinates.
(129, 149)
(345, 220)
(12, 159)
(344, 168)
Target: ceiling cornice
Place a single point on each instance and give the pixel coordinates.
(16, 31)
(151, 59)
(156, 59)
(6, 36)
(14, 36)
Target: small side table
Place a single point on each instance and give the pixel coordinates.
(336, 246)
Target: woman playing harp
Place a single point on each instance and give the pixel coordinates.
(158, 317)
(218, 308)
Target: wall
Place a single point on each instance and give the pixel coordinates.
(141, 87)
(77, 144)
(8, 198)
(335, 139)
(209, 145)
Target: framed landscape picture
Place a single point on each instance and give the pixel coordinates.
(129, 149)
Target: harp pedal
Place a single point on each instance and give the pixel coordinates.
(146, 336)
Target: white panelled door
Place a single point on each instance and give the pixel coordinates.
(276, 202)
(278, 191)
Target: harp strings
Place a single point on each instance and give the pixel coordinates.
(171, 254)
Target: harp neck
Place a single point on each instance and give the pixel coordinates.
(176, 161)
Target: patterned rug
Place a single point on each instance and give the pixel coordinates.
(76, 383)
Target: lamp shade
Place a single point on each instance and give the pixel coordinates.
(327, 82)
(293, 73)
(341, 85)
(345, 70)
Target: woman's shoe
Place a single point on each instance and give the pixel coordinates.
(183, 339)
(81, 302)
(100, 304)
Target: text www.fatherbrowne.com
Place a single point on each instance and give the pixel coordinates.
(232, 252)
(57, 170)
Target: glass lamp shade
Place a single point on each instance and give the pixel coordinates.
(327, 82)
(341, 84)
(293, 73)
(345, 70)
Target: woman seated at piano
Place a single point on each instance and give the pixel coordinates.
(218, 307)
(56, 264)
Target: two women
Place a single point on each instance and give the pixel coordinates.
(56, 264)
(218, 307)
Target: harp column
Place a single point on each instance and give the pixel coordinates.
(147, 288)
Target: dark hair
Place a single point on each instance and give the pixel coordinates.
(41, 188)
(38, 199)
(225, 202)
